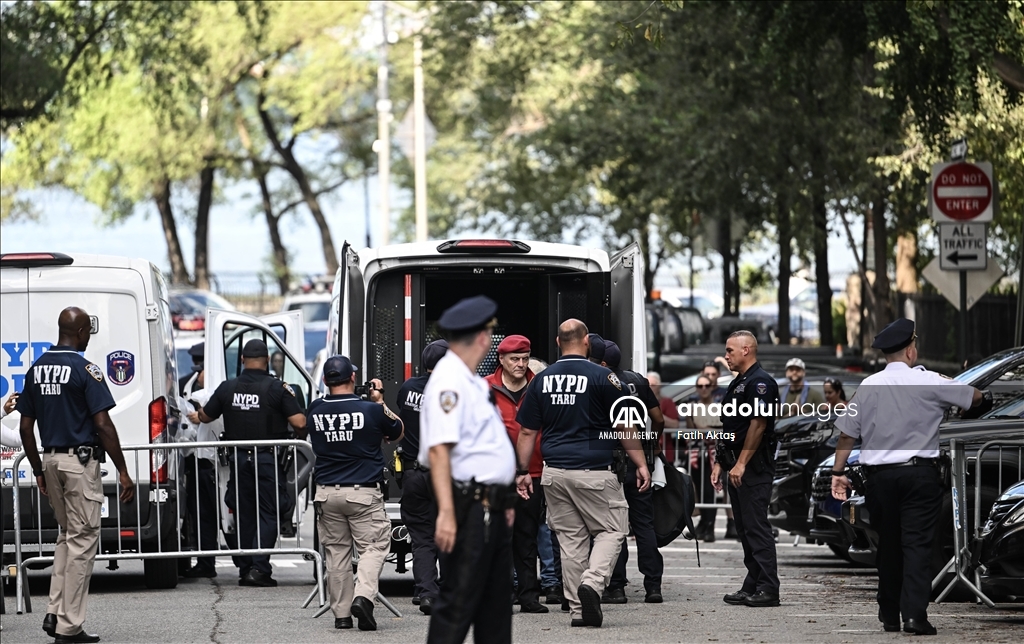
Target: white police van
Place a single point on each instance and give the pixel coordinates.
(132, 342)
(386, 303)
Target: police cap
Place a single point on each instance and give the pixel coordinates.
(895, 337)
(198, 351)
(432, 353)
(197, 367)
(338, 370)
(596, 347)
(612, 355)
(469, 315)
(255, 349)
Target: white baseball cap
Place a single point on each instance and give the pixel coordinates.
(795, 362)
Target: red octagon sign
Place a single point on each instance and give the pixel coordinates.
(962, 191)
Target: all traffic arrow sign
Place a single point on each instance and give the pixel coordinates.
(963, 247)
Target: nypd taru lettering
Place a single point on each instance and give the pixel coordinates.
(414, 401)
(49, 378)
(338, 427)
(564, 387)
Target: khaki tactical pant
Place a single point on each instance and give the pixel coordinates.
(347, 516)
(584, 504)
(76, 495)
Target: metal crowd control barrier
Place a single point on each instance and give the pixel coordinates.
(965, 564)
(694, 458)
(129, 542)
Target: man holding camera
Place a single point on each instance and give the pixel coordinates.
(346, 433)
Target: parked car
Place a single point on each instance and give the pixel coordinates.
(315, 306)
(189, 306)
(1002, 546)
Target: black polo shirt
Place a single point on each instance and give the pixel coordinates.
(346, 432)
(570, 404)
(255, 408)
(410, 404)
(62, 392)
(754, 389)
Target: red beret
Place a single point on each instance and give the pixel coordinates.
(514, 344)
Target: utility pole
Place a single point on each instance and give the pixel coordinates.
(383, 142)
(420, 139)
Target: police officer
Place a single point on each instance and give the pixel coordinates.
(256, 407)
(749, 463)
(419, 510)
(472, 466)
(346, 432)
(898, 414)
(570, 403)
(641, 504)
(67, 395)
(198, 353)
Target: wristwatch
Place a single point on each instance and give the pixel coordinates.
(838, 473)
(522, 472)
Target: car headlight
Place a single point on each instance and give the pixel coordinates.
(1016, 515)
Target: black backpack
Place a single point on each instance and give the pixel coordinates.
(673, 507)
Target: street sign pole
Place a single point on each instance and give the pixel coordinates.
(962, 349)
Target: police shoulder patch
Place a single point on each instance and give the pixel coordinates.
(288, 388)
(762, 388)
(449, 399)
(95, 372)
(612, 378)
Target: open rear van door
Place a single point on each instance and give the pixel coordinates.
(226, 334)
(288, 326)
(628, 325)
(345, 332)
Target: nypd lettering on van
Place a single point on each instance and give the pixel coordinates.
(18, 358)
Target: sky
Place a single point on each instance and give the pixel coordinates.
(239, 242)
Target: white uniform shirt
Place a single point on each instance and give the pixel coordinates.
(206, 432)
(898, 411)
(457, 409)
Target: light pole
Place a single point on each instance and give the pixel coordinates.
(420, 138)
(384, 131)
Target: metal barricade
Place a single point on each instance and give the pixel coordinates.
(964, 564)
(695, 457)
(164, 496)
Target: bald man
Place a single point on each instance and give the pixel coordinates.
(67, 395)
(747, 460)
(570, 404)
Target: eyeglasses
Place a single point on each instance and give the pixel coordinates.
(703, 386)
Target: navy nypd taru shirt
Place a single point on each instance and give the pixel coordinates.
(410, 404)
(346, 432)
(570, 404)
(63, 391)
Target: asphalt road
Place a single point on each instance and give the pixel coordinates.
(823, 600)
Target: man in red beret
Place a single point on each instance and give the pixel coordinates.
(508, 383)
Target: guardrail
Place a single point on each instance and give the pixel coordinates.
(965, 564)
(129, 542)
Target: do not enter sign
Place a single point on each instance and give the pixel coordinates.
(962, 192)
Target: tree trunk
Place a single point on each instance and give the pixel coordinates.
(883, 306)
(906, 272)
(785, 270)
(162, 197)
(280, 253)
(736, 287)
(202, 256)
(308, 196)
(725, 250)
(821, 277)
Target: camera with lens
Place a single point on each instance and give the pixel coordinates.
(363, 390)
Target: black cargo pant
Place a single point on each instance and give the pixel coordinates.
(904, 504)
(476, 581)
(262, 492)
(419, 513)
(750, 511)
(529, 513)
(641, 522)
(201, 508)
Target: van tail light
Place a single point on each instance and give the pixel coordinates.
(158, 434)
(32, 260)
(483, 246)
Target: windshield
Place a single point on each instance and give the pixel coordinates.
(1013, 409)
(316, 340)
(312, 312)
(984, 367)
